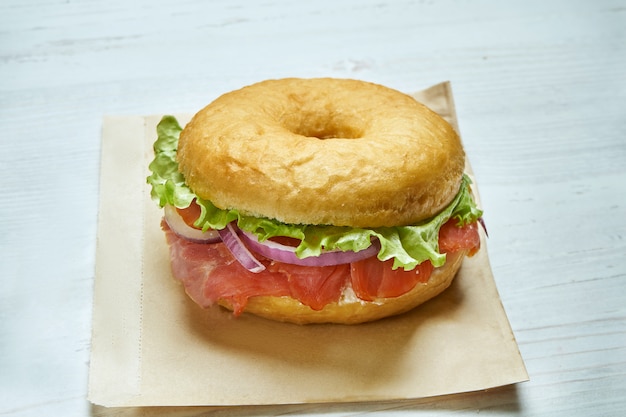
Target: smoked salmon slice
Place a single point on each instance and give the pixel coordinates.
(210, 273)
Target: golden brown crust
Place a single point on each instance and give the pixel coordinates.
(350, 310)
(322, 151)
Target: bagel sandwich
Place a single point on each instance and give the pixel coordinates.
(314, 201)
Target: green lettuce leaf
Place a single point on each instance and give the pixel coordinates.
(408, 246)
(168, 185)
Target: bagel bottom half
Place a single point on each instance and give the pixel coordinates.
(349, 309)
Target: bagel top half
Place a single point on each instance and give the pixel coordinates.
(322, 151)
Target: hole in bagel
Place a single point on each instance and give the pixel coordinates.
(332, 132)
(324, 125)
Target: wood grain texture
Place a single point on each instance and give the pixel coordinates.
(540, 88)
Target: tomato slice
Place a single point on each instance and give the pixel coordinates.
(453, 238)
(190, 214)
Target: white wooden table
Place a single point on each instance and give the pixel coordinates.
(540, 89)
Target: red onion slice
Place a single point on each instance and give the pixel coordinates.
(481, 221)
(234, 244)
(287, 254)
(182, 229)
